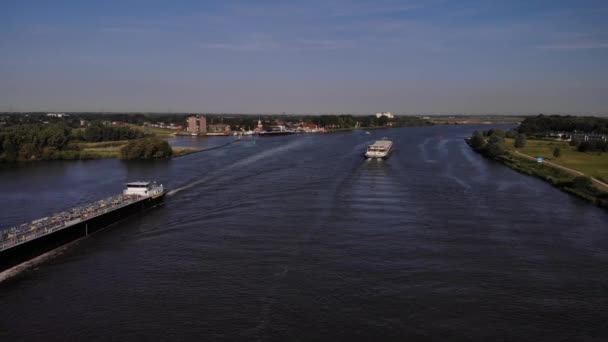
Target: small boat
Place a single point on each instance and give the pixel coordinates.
(367, 132)
(379, 149)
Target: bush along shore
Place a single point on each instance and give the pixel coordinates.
(58, 141)
(493, 144)
(147, 148)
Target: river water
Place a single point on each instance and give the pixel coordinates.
(300, 238)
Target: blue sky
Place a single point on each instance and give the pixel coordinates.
(433, 56)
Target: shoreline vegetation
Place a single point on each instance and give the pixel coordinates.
(564, 164)
(59, 141)
(105, 150)
(32, 137)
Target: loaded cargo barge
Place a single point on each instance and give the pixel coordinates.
(29, 240)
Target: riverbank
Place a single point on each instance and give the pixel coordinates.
(592, 164)
(573, 181)
(303, 228)
(111, 149)
(99, 150)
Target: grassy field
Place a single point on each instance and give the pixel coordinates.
(593, 164)
(566, 180)
(101, 150)
(159, 132)
(111, 149)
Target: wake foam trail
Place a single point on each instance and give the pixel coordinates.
(188, 186)
(444, 151)
(442, 148)
(30, 264)
(241, 163)
(474, 159)
(423, 150)
(273, 151)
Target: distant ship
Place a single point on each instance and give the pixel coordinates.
(277, 130)
(379, 149)
(29, 240)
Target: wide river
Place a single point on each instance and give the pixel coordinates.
(299, 238)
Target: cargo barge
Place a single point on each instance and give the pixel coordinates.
(29, 240)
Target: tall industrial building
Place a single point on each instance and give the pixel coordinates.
(197, 124)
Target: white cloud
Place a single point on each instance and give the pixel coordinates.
(123, 30)
(253, 42)
(361, 9)
(574, 46)
(322, 44)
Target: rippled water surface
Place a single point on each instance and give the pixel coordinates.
(300, 238)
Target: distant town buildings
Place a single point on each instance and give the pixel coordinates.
(387, 114)
(310, 127)
(197, 124)
(219, 129)
(164, 125)
(57, 115)
(581, 136)
(259, 127)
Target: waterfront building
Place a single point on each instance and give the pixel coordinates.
(311, 127)
(568, 136)
(197, 124)
(219, 128)
(259, 127)
(387, 114)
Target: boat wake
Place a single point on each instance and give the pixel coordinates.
(32, 263)
(422, 147)
(239, 164)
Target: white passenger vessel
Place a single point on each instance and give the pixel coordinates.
(379, 149)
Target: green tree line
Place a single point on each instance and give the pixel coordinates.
(98, 132)
(54, 140)
(367, 121)
(558, 123)
(590, 146)
(148, 148)
(490, 142)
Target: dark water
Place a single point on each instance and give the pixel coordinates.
(299, 238)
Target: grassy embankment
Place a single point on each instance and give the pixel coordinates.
(111, 149)
(593, 164)
(162, 133)
(590, 164)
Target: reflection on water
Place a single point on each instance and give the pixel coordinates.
(299, 237)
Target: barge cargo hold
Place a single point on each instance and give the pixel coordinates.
(27, 241)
